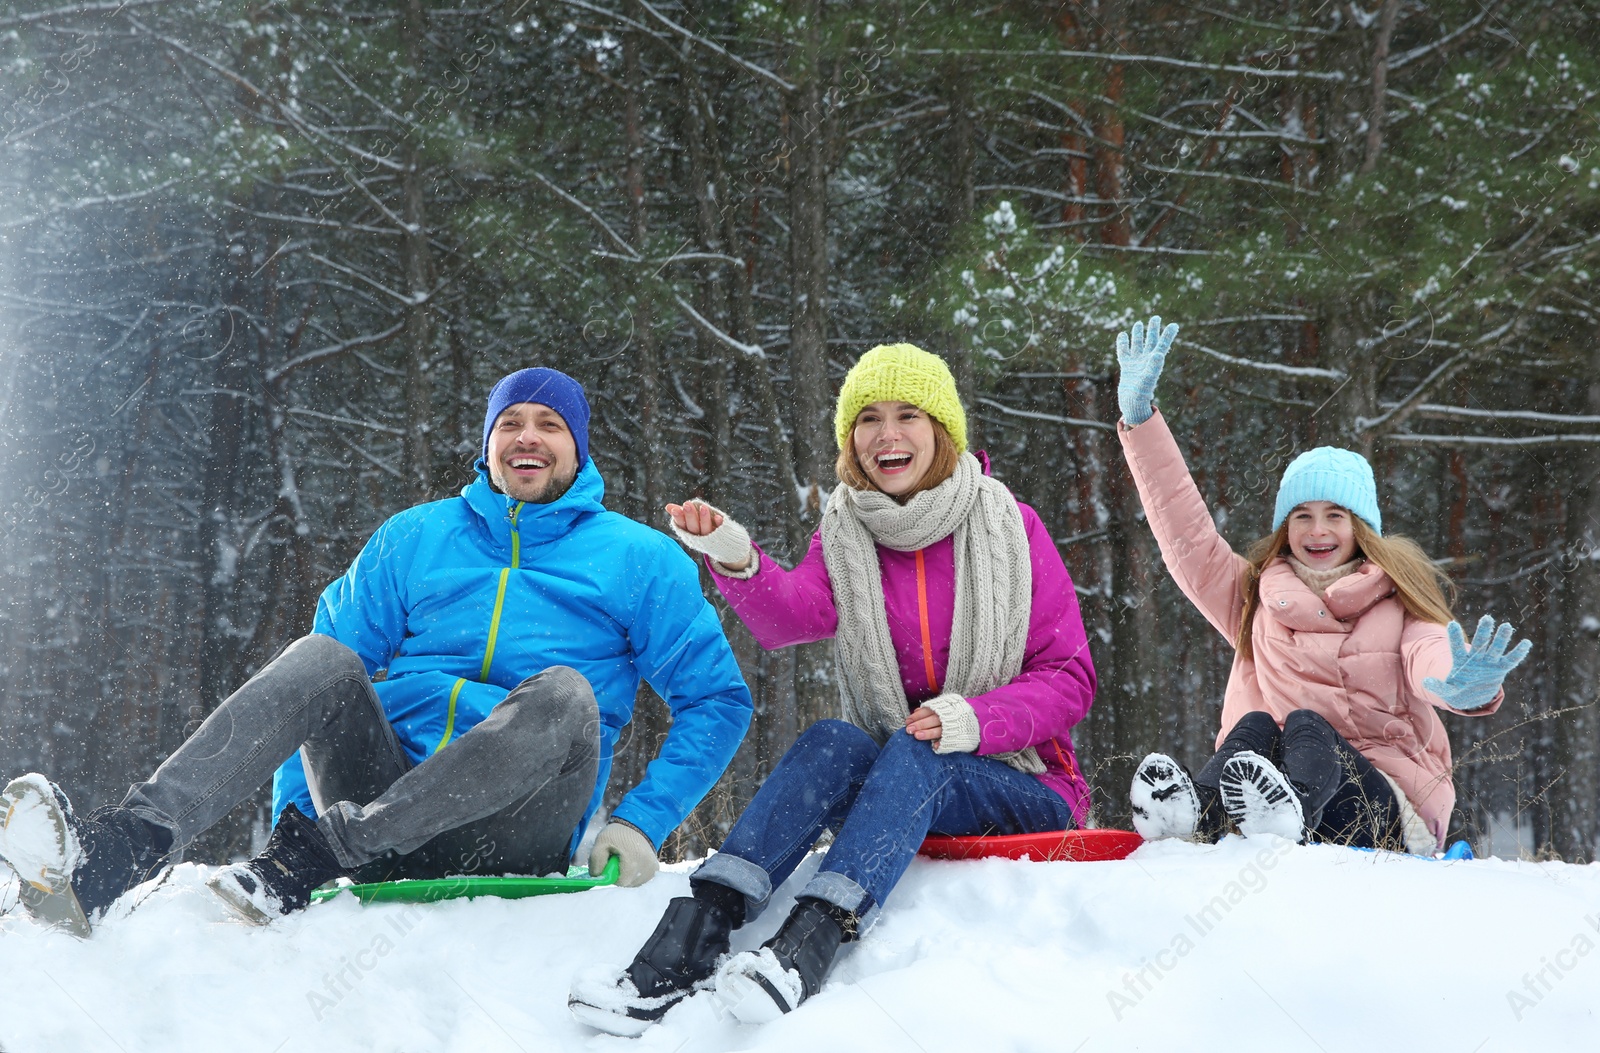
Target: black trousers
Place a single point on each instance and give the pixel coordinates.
(1346, 800)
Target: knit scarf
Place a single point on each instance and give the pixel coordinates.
(1319, 580)
(994, 593)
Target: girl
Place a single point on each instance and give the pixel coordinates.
(962, 666)
(1344, 645)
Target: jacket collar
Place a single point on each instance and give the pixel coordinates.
(535, 523)
(1292, 602)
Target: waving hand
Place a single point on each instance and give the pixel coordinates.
(1140, 360)
(1478, 672)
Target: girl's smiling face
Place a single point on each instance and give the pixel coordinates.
(1322, 535)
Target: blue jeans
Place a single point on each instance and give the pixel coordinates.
(880, 802)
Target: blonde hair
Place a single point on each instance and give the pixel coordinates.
(1425, 591)
(945, 455)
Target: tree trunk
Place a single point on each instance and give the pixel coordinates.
(647, 363)
(1110, 184)
(709, 188)
(232, 406)
(808, 268)
(418, 333)
(1577, 660)
(1380, 84)
(810, 389)
(963, 195)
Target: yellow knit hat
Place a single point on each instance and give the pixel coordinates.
(901, 373)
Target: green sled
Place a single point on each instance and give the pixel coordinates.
(430, 891)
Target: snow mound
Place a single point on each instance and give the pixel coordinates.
(1179, 947)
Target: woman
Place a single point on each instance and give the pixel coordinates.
(962, 666)
(1344, 647)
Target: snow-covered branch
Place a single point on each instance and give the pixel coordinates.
(1428, 409)
(616, 239)
(75, 11)
(403, 298)
(87, 202)
(1076, 422)
(716, 49)
(1406, 58)
(1492, 440)
(366, 425)
(753, 350)
(1305, 372)
(1331, 77)
(323, 353)
(1397, 414)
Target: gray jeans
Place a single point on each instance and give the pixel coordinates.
(505, 797)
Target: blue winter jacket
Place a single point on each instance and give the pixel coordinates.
(462, 599)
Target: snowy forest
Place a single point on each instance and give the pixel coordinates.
(262, 260)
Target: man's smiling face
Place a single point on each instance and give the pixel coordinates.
(532, 454)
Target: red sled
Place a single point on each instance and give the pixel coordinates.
(1081, 846)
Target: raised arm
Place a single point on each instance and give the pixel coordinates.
(1202, 563)
(780, 607)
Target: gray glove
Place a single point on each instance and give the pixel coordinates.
(630, 846)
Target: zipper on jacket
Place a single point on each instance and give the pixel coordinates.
(494, 629)
(1061, 755)
(922, 616)
(450, 718)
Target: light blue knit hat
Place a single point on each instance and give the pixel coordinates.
(1328, 473)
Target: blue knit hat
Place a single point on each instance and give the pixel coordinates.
(547, 387)
(1328, 473)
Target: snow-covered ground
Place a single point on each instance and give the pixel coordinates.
(1238, 946)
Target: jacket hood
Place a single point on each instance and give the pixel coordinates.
(535, 523)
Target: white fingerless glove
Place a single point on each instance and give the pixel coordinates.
(958, 724)
(728, 546)
(628, 844)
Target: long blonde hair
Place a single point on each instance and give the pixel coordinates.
(943, 466)
(1425, 591)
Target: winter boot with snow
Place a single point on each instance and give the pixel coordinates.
(72, 868)
(280, 880)
(677, 960)
(1165, 803)
(758, 987)
(1259, 799)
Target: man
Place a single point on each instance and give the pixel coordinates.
(514, 624)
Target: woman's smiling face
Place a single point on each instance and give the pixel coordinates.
(894, 441)
(1322, 535)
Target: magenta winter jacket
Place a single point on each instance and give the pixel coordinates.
(1039, 708)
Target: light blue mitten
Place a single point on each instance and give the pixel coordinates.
(1476, 675)
(1141, 359)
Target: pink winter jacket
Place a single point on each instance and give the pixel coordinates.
(1039, 708)
(1357, 659)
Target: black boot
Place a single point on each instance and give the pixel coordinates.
(120, 850)
(73, 868)
(279, 881)
(760, 986)
(678, 958)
